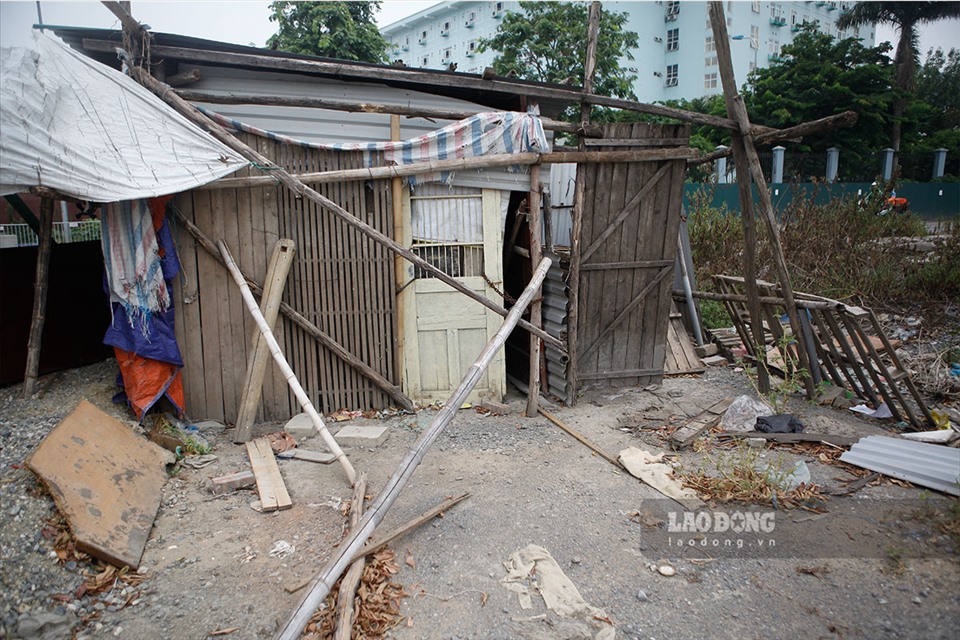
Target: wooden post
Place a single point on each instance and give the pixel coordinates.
(280, 263)
(303, 191)
(321, 584)
(737, 111)
(573, 278)
(284, 366)
(536, 254)
(399, 272)
(40, 283)
(348, 586)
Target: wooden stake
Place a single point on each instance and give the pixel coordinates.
(536, 254)
(40, 284)
(298, 318)
(573, 278)
(737, 111)
(581, 439)
(284, 366)
(280, 263)
(348, 585)
(324, 580)
(303, 191)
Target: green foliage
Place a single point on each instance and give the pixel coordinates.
(546, 42)
(932, 120)
(342, 30)
(713, 315)
(819, 76)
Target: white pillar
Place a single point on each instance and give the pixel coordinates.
(722, 166)
(887, 163)
(939, 162)
(833, 164)
(776, 176)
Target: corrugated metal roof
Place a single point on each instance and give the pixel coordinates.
(928, 465)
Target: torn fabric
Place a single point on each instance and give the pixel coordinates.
(652, 470)
(86, 130)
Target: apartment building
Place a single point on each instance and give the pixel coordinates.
(676, 57)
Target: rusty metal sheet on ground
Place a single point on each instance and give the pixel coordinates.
(105, 480)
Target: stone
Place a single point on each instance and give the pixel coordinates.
(301, 426)
(714, 361)
(45, 626)
(357, 436)
(707, 350)
(756, 443)
(642, 596)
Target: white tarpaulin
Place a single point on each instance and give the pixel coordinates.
(74, 125)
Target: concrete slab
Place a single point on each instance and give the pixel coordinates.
(357, 436)
(301, 426)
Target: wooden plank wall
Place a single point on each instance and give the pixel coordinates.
(340, 280)
(622, 334)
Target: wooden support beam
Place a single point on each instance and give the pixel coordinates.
(737, 110)
(303, 191)
(210, 97)
(580, 438)
(406, 74)
(321, 584)
(301, 321)
(734, 297)
(348, 585)
(536, 254)
(480, 162)
(280, 263)
(284, 366)
(40, 285)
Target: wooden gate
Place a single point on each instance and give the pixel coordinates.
(458, 230)
(628, 243)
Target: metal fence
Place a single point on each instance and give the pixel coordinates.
(21, 235)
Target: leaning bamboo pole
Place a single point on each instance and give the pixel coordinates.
(41, 284)
(282, 363)
(322, 583)
(348, 586)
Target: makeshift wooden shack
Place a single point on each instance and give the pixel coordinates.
(380, 329)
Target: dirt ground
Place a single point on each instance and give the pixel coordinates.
(887, 572)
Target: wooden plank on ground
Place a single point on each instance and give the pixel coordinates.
(681, 357)
(270, 485)
(706, 419)
(840, 441)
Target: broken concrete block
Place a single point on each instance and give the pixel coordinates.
(301, 426)
(714, 361)
(233, 481)
(357, 436)
(707, 350)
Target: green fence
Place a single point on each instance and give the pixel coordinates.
(929, 200)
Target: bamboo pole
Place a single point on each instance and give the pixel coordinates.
(321, 584)
(303, 191)
(348, 585)
(40, 285)
(280, 263)
(461, 164)
(298, 318)
(284, 366)
(737, 111)
(210, 97)
(573, 277)
(536, 254)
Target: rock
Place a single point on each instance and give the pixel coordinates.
(301, 426)
(357, 436)
(575, 560)
(14, 510)
(642, 596)
(714, 361)
(707, 350)
(756, 443)
(666, 570)
(917, 600)
(45, 626)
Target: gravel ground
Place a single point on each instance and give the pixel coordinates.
(208, 567)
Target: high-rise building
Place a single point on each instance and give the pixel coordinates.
(676, 57)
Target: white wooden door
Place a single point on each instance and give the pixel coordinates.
(458, 230)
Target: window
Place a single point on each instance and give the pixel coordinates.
(471, 47)
(447, 54)
(673, 75)
(425, 62)
(673, 39)
(471, 17)
(710, 81)
(754, 37)
(423, 37)
(709, 44)
(756, 7)
(497, 9)
(710, 61)
(774, 48)
(673, 10)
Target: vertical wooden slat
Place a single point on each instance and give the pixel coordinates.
(185, 294)
(208, 298)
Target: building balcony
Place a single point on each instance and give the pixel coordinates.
(778, 22)
(774, 57)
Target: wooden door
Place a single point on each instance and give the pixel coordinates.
(458, 230)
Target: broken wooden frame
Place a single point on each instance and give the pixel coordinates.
(324, 581)
(845, 345)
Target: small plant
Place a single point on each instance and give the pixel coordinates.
(713, 314)
(781, 388)
(896, 564)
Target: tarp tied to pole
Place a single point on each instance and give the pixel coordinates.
(85, 130)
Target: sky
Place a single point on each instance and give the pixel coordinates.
(247, 22)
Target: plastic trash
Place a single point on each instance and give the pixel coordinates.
(783, 423)
(800, 474)
(743, 413)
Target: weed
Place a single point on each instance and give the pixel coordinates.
(781, 387)
(896, 563)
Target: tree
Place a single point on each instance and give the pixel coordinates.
(819, 76)
(906, 17)
(547, 42)
(932, 119)
(342, 30)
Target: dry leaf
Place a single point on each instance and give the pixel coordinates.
(411, 562)
(409, 622)
(483, 599)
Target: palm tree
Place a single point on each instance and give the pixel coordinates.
(906, 17)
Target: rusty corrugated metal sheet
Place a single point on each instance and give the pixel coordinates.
(928, 465)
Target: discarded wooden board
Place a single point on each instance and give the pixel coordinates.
(105, 480)
(706, 419)
(681, 357)
(320, 457)
(270, 485)
(233, 481)
(839, 441)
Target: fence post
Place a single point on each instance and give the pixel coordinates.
(776, 175)
(939, 162)
(833, 164)
(722, 166)
(887, 163)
